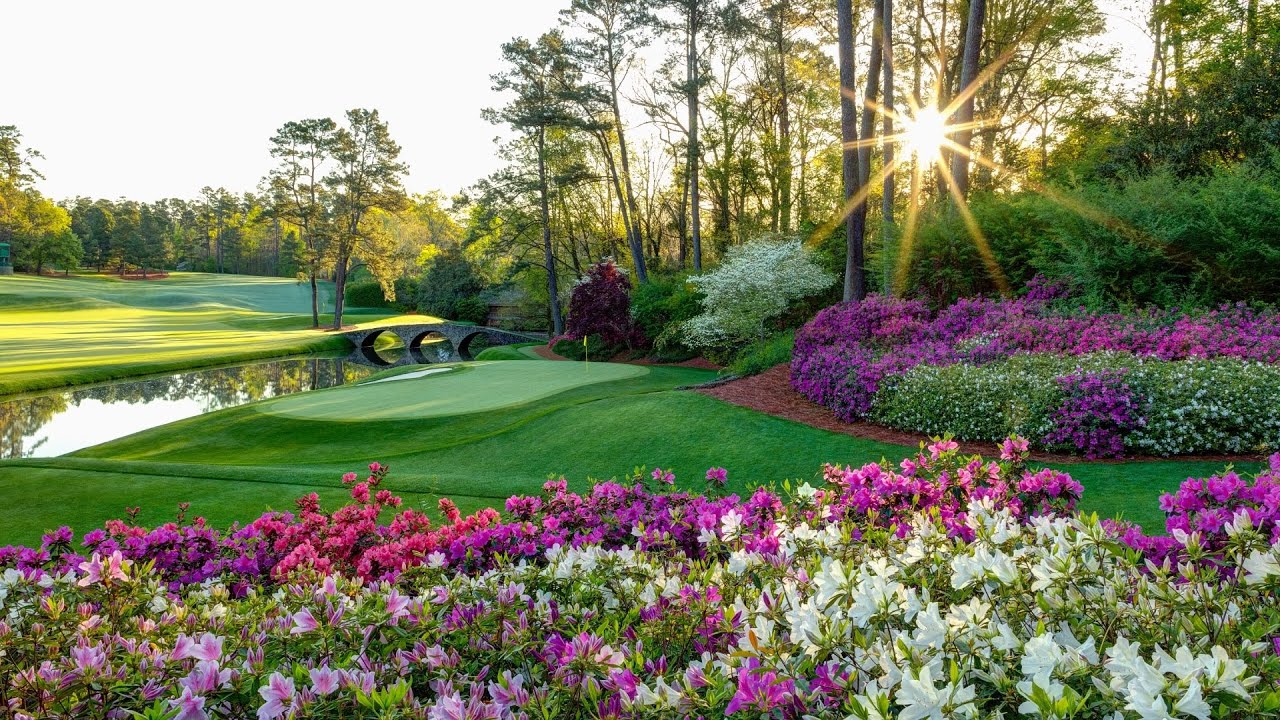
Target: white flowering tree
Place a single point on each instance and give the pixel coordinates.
(755, 283)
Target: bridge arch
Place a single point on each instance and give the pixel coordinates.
(431, 345)
(466, 349)
(368, 347)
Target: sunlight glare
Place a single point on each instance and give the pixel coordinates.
(925, 134)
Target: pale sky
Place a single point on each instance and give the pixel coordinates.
(148, 99)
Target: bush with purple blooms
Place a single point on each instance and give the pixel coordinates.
(982, 369)
(1099, 409)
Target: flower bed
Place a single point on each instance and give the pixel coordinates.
(942, 586)
(1155, 382)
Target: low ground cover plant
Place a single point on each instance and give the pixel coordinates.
(1159, 382)
(940, 586)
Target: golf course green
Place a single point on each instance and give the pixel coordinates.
(469, 388)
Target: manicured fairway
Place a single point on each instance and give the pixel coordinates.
(63, 331)
(234, 463)
(474, 387)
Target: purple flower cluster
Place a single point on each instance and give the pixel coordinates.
(1099, 409)
(1208, 508)
(845, 354)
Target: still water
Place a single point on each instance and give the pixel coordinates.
(65, 421)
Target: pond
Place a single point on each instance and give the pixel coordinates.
(64, 421)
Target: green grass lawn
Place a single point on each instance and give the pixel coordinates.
(58, 331)
(477, 450)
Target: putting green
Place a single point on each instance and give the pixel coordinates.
(471, 388)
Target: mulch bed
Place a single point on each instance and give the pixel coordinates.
(546, 353)
(770, 392)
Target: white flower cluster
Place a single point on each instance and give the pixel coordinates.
(754, 284)
(1054, 620)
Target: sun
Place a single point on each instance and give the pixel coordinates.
(925, 134)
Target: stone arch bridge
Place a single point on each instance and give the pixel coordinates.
(414, 337)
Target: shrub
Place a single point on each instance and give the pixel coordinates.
(601, 305)
(755, 283)
(984, 368)
(1015, 397)
(1158, 238)
(942, 586)
(764, 354)
(1103, 404)
(470, 309)
(1099, 410)
(366, 293)
(369, 294)
(659, 308)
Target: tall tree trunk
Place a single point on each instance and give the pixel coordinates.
(964, 114)
(859, 214)
(854, 282)
(315, 297)
(1251, 26)
(695, 152)
(783, 161)
(548, 258)
(339, 289)
(634, 237)
(681, 227)
(886, 207)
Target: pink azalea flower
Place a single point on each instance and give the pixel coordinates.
(717, 476)
(97, 571)
(664, 477)
(278, 693)
(324, 680)
(397, 604)
(304, 621)
(189, 706)
(208, 647)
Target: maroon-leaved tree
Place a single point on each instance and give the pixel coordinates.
(601, 305)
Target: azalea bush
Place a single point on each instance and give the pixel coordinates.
(939, 586)
(756, 282)
(1159, 408)
(981, 369)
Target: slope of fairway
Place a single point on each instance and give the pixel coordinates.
(65, 331)
(474, 387)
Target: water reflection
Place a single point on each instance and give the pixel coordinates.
(62, 422)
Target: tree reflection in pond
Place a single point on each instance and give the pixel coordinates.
(62, 422)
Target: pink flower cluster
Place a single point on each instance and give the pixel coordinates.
(1099, 410)
(941, 480)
